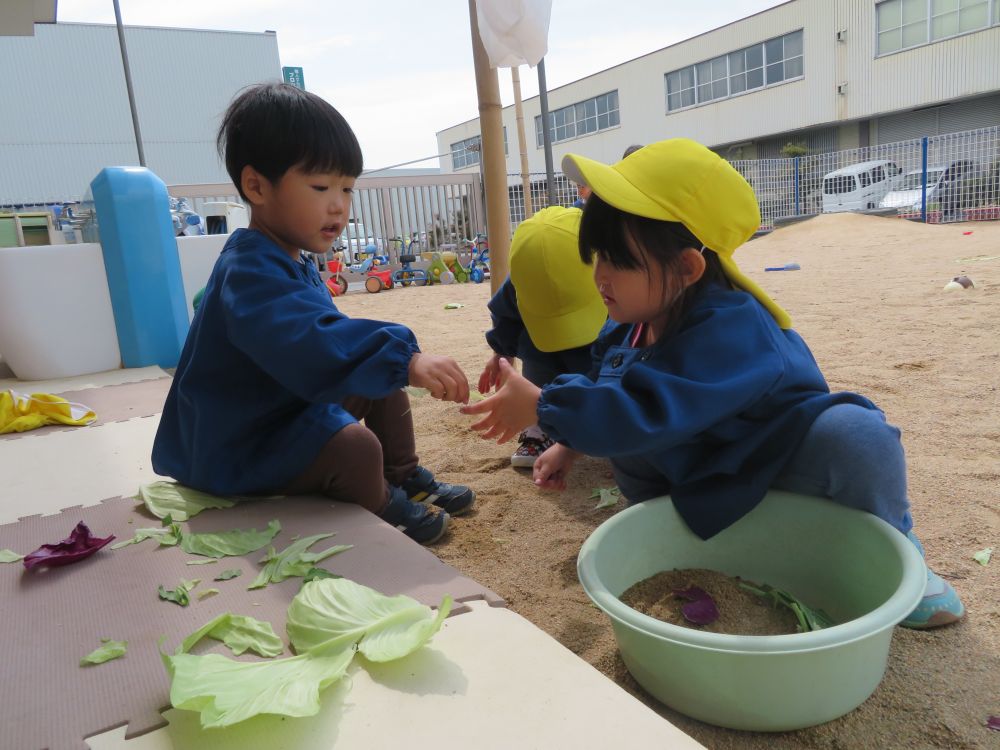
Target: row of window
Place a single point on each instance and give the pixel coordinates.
(467, 153)
(910, 23)
(589, 116)
(747, 69)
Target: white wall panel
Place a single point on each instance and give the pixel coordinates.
(66, 112)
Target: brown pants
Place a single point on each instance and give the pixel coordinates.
(358, 464)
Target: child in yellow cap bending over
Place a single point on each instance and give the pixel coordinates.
(704, 392)
(547, 313)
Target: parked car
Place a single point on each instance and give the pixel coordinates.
(950, 186)
(859, 187)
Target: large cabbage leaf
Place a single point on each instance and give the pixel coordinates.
(229, 543)
(226, 691)
(164, 499)
(386, 627)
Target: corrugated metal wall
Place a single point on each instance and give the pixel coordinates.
(65, 112)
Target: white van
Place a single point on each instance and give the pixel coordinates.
(859, 187)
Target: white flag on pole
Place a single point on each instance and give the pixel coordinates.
(514, 32)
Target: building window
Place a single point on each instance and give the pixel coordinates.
(465, 153)
(910, 23)
(582, 118)
(765, 64)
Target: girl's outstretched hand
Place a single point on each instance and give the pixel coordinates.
(553, 466)
(510, 410)
(441, 376)
(491, 373)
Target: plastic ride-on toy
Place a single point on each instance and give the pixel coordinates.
(378, 279)
(408, 275)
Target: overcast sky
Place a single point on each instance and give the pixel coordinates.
(401, 70)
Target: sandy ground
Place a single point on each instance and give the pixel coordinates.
(869, 301)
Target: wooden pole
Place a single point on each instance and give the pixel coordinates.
(492, 158)
(515, 77)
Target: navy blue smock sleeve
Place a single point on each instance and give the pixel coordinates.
(717, 367)
(508, 327)
(280, 324)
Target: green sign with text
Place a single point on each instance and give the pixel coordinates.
(294, 76)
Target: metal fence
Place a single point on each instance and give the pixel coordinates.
(943, 178)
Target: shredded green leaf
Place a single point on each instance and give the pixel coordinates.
(9, 556)
(206, 561)
(809, 618)
(294, 560)
(608, 496)
(164, 499)
(179, 595)
(167, 536)
(207, 592)
(983, 556)
(227, 574)
(229, 543)
(240, 633)
(107, 651)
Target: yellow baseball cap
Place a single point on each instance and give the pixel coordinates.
(556, 295)
(681, 180)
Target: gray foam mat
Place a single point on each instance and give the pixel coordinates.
(112, 403)
(50, 619)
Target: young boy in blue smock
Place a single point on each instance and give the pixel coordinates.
(547, 313)
(702, 390)
(274, 380)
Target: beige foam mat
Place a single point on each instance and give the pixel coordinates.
(76, 467)
(489, 680)
(79, 382)
(51, 619)
(112, 403)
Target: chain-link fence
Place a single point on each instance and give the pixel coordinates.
(942, 178)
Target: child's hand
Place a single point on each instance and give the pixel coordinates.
(441, 376)
(491, 373)
(553, 466)
(510, 410)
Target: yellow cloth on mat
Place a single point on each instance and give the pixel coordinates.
(20, 412)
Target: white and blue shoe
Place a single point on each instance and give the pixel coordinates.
(940, 604)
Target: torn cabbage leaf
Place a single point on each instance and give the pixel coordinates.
(229, 543)
(107, 651)
(80, 544)
(167, 536)
(9, 556)
(226, 691)
(239, 633)
(164, 499)
(386, 627)
(179, 595)
(294, 560)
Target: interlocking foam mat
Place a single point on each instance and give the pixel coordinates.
(50, 619)
(112, 403)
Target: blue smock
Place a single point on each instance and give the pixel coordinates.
(710, 414)
(266, 363)
(509, 338)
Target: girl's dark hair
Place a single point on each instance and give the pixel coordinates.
(276, 126)
(605, 231)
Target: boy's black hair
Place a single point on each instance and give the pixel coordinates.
(276, 126)
(605, 231)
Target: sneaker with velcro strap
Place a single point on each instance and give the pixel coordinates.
(416, 520)
(421, 487)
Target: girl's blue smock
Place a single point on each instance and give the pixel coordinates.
(711, 413)
(264, 368)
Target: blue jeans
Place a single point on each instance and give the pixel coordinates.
(854, 457)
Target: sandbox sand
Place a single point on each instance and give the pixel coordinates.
(869, 301)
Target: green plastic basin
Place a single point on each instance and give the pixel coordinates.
(864, 573)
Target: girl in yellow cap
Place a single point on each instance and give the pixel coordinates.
(700, 388)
